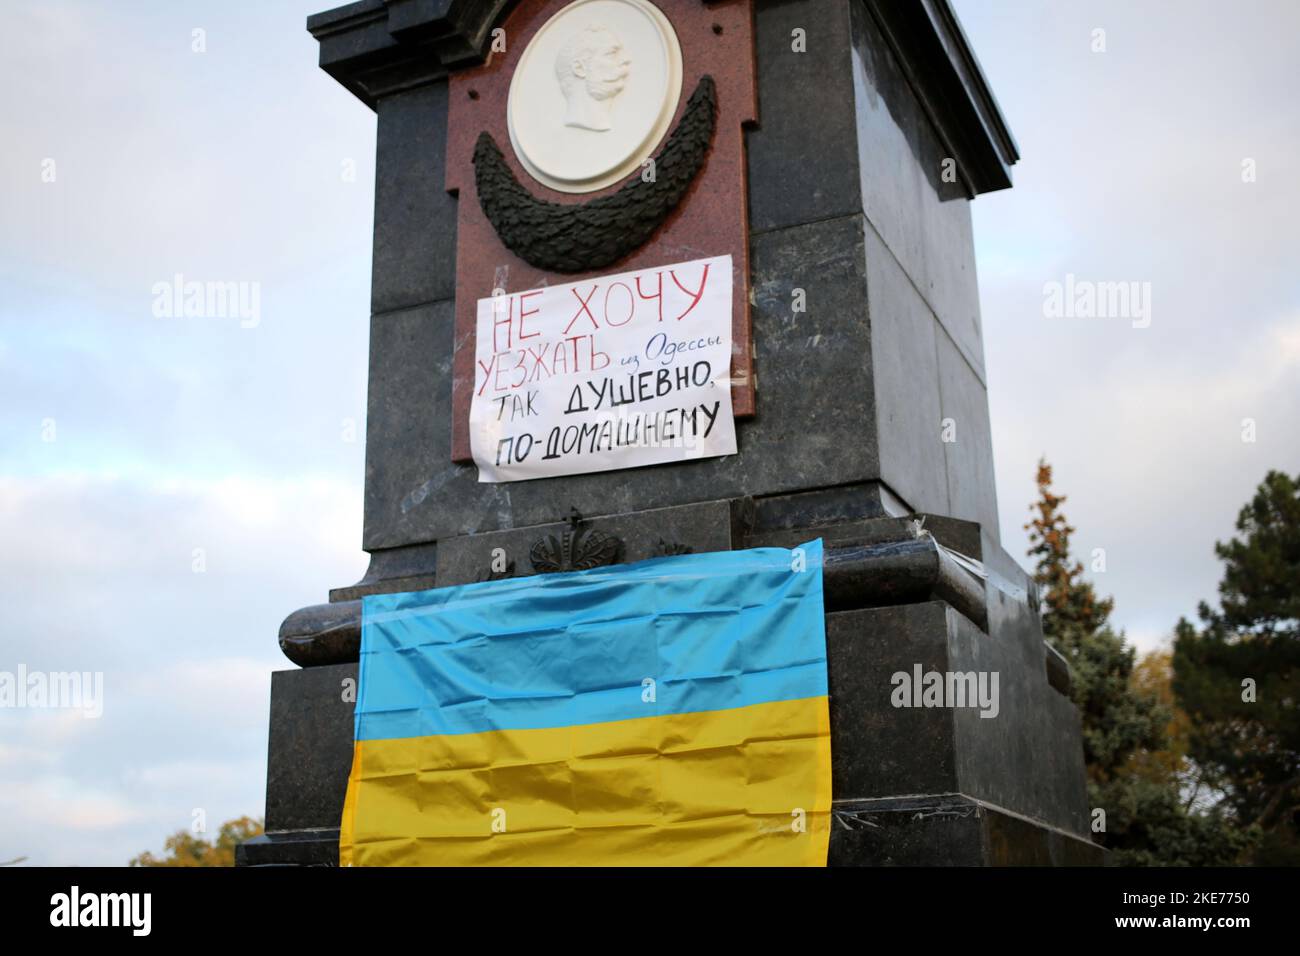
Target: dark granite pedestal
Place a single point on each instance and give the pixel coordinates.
(871, 429)
(911, 786)
(309, 756)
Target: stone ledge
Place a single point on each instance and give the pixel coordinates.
(290, 848)
(859, 572)
(948, 829)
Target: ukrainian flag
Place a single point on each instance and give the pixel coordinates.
(672, 712)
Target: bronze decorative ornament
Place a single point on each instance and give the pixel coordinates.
(578, 549)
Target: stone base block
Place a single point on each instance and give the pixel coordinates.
(948, 830)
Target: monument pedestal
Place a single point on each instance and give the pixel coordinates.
(875, 130)
(912, 785)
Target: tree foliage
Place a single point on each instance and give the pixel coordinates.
(1238, 674)
(1117, 718)
(1153, 676)
(1072, 605)
(183, 848)
(1136, 772)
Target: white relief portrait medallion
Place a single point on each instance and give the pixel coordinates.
(594, 92)
(592, 68)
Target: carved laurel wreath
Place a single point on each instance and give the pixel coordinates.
(582, 236)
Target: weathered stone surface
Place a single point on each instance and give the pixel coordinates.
(317, 847)
(376, 48)
(1027, 759)
(803, 163)
(1049, 774)
(825, 506)
(800, 439)
(864, 648)
(394, 569)
(875, 563)
(972, 493)
(309, 751)
(905, 377)
(415, 220)
(697, 528)
(948, 830)
(923, 220)
(322, 634)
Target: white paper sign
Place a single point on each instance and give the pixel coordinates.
(612, 372)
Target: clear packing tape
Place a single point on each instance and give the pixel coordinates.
(975, 568)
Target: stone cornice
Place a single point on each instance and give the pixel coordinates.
(941, 67)
(376, 47)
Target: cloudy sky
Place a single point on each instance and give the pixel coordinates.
(171, 488)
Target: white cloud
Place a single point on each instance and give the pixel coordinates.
(39, 808)
(104, 582)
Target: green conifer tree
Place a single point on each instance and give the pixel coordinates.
(1238, 675)
(1148, 822)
